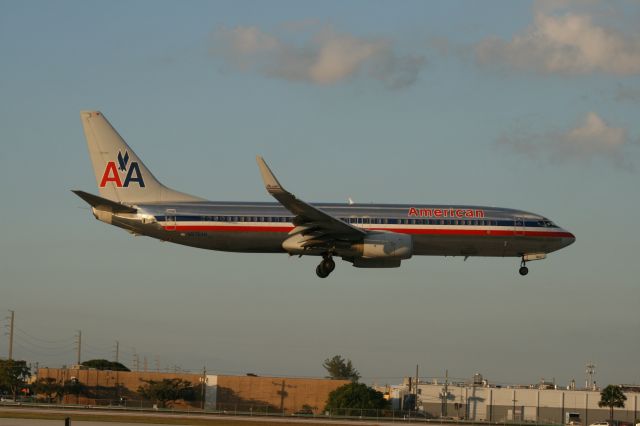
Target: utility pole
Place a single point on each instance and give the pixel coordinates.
(445, 394)
(11, 335)
(117, 371)
(416, 388)
(204, 386)
(79, 343)
(136, 360)
(591, 371)
(145, 364)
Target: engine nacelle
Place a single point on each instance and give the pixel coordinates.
(385, 245)
(376, 263)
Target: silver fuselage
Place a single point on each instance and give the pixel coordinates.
(437, 230)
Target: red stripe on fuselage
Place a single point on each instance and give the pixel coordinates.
(411, 231)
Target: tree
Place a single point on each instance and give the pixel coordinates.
(167, 390)
(13, 376)
(73, 387)
(103, 364)
(612, 396)
(356, 395)
(48, 386)
(340, 368)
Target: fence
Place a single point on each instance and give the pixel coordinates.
(498, 416)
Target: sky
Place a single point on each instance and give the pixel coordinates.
(528, 105)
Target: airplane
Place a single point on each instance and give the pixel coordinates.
(367, 236)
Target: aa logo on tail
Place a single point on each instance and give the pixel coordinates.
(111, 173)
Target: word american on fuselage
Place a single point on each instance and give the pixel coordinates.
(446, 212)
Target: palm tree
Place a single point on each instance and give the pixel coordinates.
(612, 396)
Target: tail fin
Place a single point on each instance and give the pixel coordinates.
(120, 174)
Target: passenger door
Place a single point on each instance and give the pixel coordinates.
(170, 219)
(519, 226)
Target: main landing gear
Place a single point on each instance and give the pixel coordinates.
(326, 266)
(523, 269)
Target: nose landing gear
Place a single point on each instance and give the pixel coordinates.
(325, 267)
(528, 257)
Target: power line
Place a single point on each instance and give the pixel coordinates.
(46, 341)
(35, 345)
(41, 353)
(102, 349)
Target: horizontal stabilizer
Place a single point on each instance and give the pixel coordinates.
(97, 202)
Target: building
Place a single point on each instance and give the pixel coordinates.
(222, 392)
(543, 403)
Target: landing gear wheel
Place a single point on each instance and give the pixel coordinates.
(523, 270)
(328, 265)
(321, 272)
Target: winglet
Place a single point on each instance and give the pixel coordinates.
(270, 181)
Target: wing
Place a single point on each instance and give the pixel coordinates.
(312, 221)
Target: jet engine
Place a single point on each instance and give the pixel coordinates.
(385, 245)
(376, 250)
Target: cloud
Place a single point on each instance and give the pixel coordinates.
(316, 55)
(564, 39)
(591, 140)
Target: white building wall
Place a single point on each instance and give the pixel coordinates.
(211, 393)
(498, 404)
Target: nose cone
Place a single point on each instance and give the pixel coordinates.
(567, 238)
